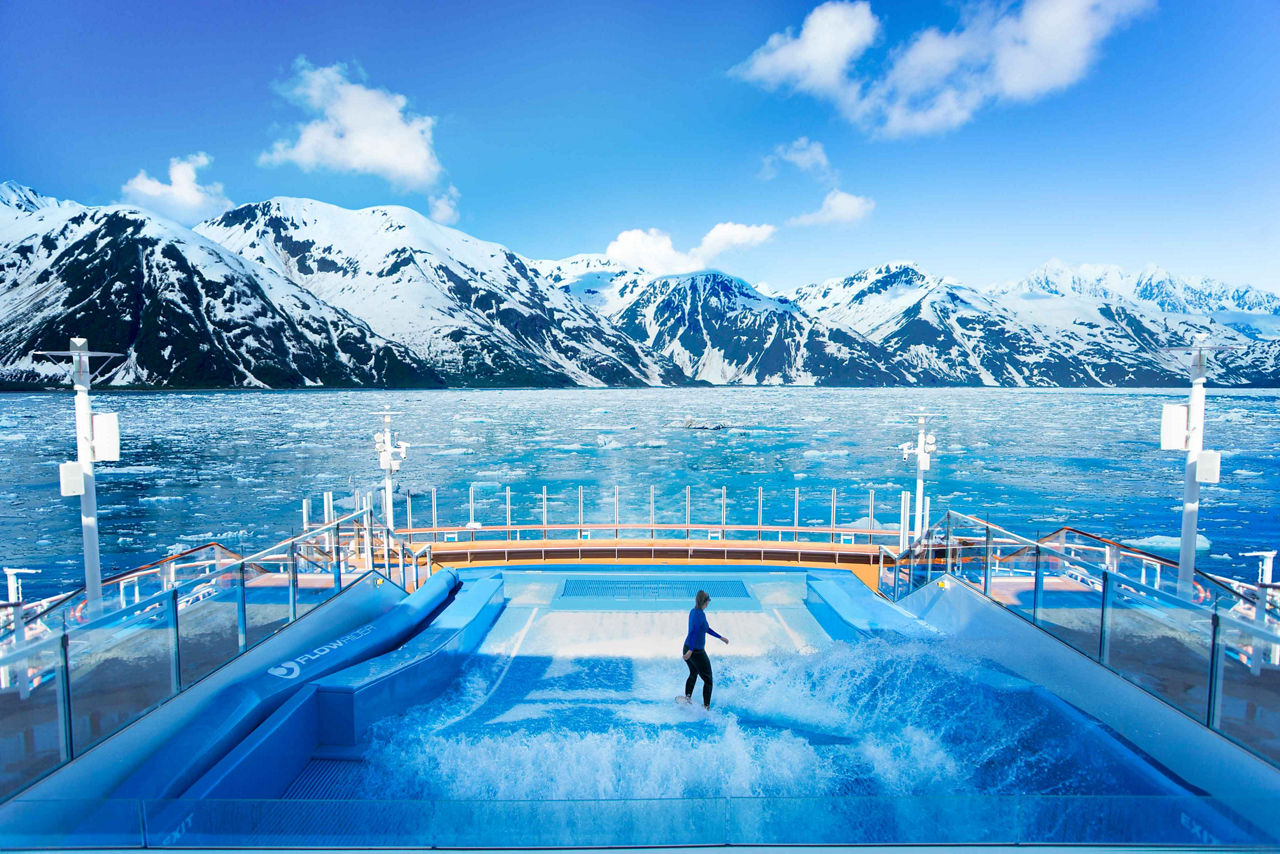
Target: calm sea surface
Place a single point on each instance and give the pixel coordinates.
(234, 466)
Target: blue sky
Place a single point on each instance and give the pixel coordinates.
(979, 139)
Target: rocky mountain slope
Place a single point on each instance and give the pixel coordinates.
(294, 292)
(481, 314)
(182, 310)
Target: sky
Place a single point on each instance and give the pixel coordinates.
(784, 142)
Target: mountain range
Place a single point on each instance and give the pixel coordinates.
(293, 293)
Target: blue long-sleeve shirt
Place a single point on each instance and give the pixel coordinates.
(698, 630)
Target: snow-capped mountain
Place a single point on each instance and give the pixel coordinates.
(477, 311)
(720, 330)
(1060, 326)
(294, 292)
(939, 331)
(183, 311)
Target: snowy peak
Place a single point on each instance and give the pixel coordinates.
(23, 199)
(483, 313)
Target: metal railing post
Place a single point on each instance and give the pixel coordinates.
(653, 531)
(1038, 596)
(242, 616)
(948, 538)
(368, 532)
(617, 533)
(544, 513)
(581, 519)
(175, 654)
(759, 512)
(1217, 653)
(339, 556)
(293, 582)
(796, 524)
(833, 514)
(871, 515)
(986, 565)
(724, 510)
(66, 744)
(1104, 622)
(508, 512)
(434, 523)
(688, 509)
(897, 577)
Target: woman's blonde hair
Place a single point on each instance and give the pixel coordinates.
(702, 599)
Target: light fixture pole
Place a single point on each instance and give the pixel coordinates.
(1182, 429)
(97, 440)
(926, 444)
(390, 455)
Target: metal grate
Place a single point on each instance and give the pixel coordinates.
(327, 779)
(607, 588)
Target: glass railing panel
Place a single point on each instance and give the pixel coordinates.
(287, 823)
(923, 820)
(67, 824)
(30, 730)
(207, 625)
(120, 670)
(1163, 646)
(1013, 572)
(562, 824)
(1131, 820)
(1250, 689)
(266, 603)
(1071, 603)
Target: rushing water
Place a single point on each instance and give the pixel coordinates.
(233, 466)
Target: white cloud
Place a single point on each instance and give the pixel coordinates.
(653, 250)
(838, 206)
(938, 80)
(182, 199)
(357, 129)
(444, 207)
(805, 154)
(816, 61)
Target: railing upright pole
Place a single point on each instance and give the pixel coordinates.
(293, 582)
(1217, 654)
(897, 575)
(724, 510)
(368, 532)
(1038, 596)
(338, 557)
(833, 514)
(759, 512)
(544, 512)
(408, 510)
(508, 512)
(688, 511)
(66, 744)
(617, 533)
(795, 526)
(242, 616)
(434, 523)
(471, 503)
(950, 567)
(653, 531)
(1104, 622)
(175, 653)
(306, 513)
(986, 565)
(580, 519)
(871, 515)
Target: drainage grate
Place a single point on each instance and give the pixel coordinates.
(606, 588)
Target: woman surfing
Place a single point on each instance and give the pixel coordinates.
(695, 652)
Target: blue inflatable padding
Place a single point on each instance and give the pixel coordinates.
(331, 714)
(231, 714)
(353, 699)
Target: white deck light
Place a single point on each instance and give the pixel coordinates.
(1182, 429)
(391, 452)
(926, 444)
(97, 440)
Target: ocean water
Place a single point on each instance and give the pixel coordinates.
(234, 466)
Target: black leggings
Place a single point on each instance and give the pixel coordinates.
(699, 665)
